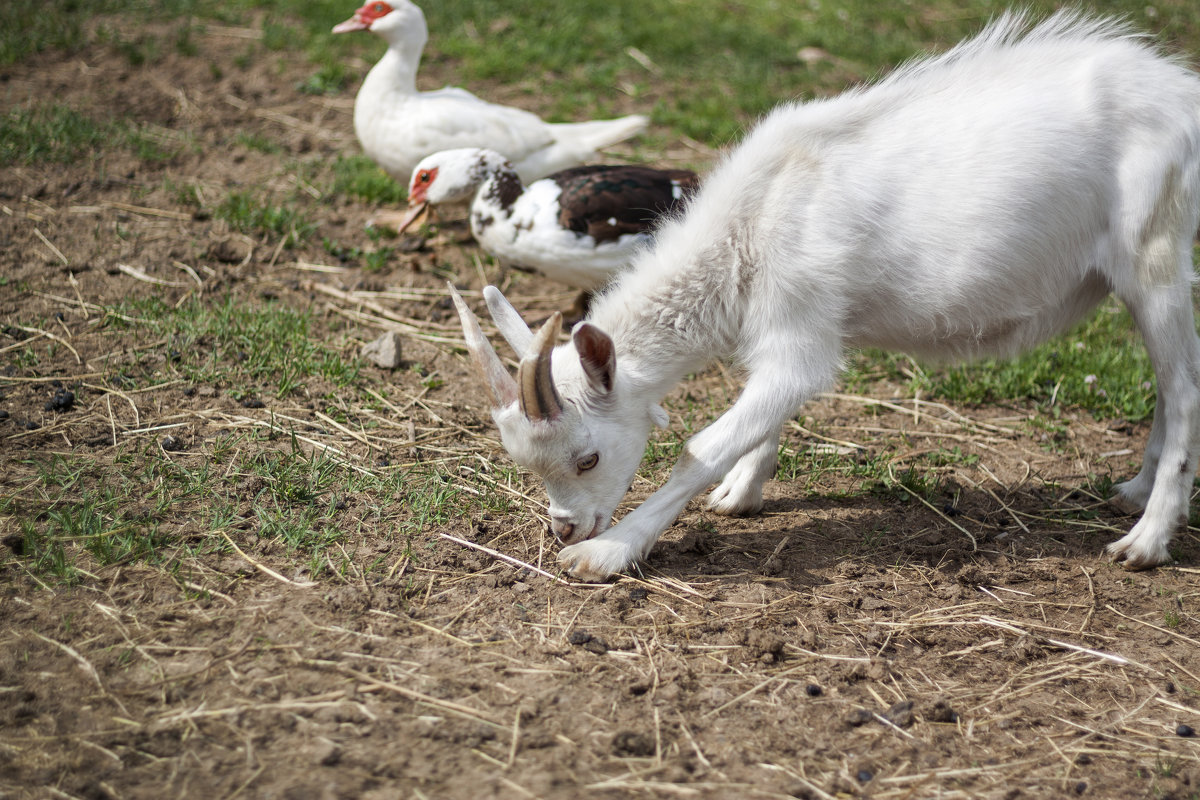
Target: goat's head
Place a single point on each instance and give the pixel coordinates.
(568, 415)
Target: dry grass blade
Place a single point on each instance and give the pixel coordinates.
(263, 568)
(515, 561)
(411, 694)
(138, 274)
(84, 664)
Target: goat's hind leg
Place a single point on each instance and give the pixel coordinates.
(1164, 317)
(1131, 496)
(741, 491)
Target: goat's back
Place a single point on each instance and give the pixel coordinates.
(968, 204)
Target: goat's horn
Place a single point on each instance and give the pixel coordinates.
(512, 327)
(539, 398)
(499, 385)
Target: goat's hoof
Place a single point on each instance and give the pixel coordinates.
(735, 502)
(595, 560)
(1134, 555)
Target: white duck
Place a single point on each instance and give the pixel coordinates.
(578, 226)
(398, 126)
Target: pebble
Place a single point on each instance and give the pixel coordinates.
(857, 717)
(384, 352)
(1186, 731)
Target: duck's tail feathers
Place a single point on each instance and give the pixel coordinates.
(598, 134)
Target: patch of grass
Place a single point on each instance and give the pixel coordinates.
(30, 26)
(329, 79)
(1100, 366)
(58, 134)
(256, 141)
(138, 51)
(55, 134)
(244, 347)
(359, 176)
(248, 213)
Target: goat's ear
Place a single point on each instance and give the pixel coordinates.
(497, 382)
(512, 327)
(598, 356)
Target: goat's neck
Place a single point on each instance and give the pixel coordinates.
(677, 323)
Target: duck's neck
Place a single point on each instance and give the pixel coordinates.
(396, 72)
(501, 187)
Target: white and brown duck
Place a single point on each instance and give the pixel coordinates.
(397, 125)
(578, 226)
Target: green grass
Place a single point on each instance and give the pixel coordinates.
(703, 69)
(251, 213)
(360, 177)
(57, 134)
(713, 68)
(1100, 366)
(266, 347)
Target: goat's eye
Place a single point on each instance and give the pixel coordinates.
(587, 462)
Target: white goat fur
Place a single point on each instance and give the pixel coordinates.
(971, 204)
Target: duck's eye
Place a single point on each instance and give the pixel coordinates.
(587, 462)
(379, 7)
(424, 177)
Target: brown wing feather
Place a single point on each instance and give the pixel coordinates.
(605, 202)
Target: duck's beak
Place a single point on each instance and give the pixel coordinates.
(355, 23)
(416, 213)
(397, 222)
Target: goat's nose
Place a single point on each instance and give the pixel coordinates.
(561, 528)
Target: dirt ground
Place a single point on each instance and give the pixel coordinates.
(848, 642)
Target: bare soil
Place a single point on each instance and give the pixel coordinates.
(852, 641)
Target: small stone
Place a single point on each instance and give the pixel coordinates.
(3, 414)
(383, 352)
(900, 714)
(172, 444)
(597, 646)
(864, 775)
(812, 690)
(252, 402)
(630, 743)
(857, 717)
(940, 711)
(1186, 731)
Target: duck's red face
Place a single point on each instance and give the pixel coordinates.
(420, 185)
(364, 18)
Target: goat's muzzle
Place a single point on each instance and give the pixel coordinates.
(563, 531)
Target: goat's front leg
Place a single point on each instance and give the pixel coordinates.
(752, 424)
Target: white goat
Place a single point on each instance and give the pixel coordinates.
(971, 204)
